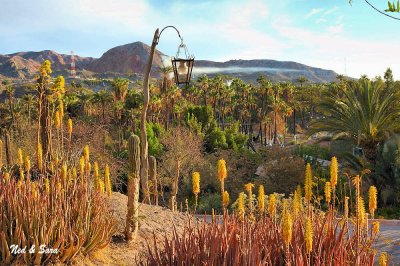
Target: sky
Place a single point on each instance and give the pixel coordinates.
(331, 34)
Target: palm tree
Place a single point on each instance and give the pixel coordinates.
(30, 100)
(85, 100)
(165, 72)
(10, 92)
(119, 88)
(366, 113)
(102, 97)
(203, 82)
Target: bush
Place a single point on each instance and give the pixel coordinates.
(65, 213)
(210, 201)
(314, 151)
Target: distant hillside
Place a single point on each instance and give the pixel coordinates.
(132, 58)
(250, 70)
(26, 64)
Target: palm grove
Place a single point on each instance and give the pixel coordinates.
(247, 123)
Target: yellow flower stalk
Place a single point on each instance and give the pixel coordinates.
(61, 109)
(286, 226)
(328, 191)
(86, 153)
(222, 173)
(74, 174)
(69, 127)
(21, 175)
(272, 205)
(361, 211)
(82, 165)
(249, 187)
(296, 203)
(47, 185)
(57, 120)
(6, 177)
(107, 180)
(376, 227)
(225, 199)
(334, 172)
(195, 187)
(20, 157)
(59, 187)
(101, 186)
(240, 207)
(34, 190)
(308, 184)
(88, 168)
(308, 235)
(96, 175)
(261, 199)
(383, 259)
(373, 203)
(39, 157)
(19, 183)
(27, 163)
(196, 183)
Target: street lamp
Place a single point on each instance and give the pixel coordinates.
(182, 63)
(182, 67)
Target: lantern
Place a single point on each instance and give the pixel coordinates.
(182, 65)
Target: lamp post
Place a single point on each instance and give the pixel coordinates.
(182, 71)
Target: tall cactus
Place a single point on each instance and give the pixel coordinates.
(8, 149)
(1, 153)
(132, 223)
(153, 177)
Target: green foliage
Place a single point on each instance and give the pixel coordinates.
(231, 138)
(366, 112)
(209, 201)
(312, 150)
(215, 138)
(154, 132)
(389, 212)
(393, 7)
(234, 138)
(203, 114)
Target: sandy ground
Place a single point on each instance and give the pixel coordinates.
(155, 219)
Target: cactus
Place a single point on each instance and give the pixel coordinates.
(1, 153)
(132, 223)
(8, 149)
(153, 177)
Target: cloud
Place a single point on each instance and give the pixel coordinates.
(336, 29)
(331, 10)
(313, 12)
(320, 21)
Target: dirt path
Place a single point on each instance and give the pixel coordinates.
(389, 240)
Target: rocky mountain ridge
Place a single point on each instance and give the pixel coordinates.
(131, 58)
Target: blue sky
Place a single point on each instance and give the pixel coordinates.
(319, 33)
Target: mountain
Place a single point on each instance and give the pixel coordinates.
(132, 58)
(126, 59)
(26, 64)
(250, 70)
